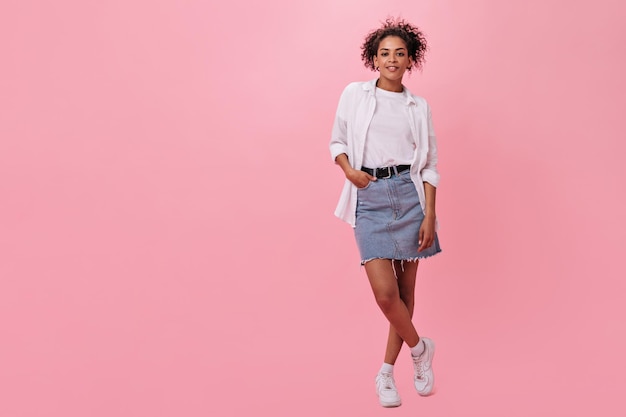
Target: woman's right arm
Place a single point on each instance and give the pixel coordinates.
(355, 176)
(339, 143)
(339, 134)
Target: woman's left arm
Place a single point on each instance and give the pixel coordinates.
(429, 171)
(427, 230)
(430, 176)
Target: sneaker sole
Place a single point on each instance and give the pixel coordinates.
(390, 404)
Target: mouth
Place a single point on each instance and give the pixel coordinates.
(392, 68)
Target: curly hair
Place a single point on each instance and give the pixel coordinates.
(413, 38)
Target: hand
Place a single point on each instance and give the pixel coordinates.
(359, 178)
(426, 236)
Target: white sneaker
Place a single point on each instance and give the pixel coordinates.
(386, 389)
(423, 365)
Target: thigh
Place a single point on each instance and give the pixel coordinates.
(406, 273)
(380, 273)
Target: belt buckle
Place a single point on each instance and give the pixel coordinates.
(389, 173)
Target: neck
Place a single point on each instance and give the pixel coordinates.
(395, 86)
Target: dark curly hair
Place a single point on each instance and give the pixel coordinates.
(413, 38)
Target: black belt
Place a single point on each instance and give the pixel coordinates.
(386, 172)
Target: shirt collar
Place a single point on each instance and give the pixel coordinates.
(370, 86)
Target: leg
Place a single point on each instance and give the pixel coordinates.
(406, 273)
(385, 286)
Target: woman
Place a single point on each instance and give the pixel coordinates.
(384, 142)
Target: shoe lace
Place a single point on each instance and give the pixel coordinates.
(386, 381)
(419, 368)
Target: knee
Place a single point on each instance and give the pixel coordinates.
(386, 300)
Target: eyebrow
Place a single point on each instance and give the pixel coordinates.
(386, 49)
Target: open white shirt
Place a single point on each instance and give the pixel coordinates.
(352, 120)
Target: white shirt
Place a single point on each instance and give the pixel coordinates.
(354, 114)
(389, 140)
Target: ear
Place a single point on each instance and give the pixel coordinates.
(411, 63)
(375, 61)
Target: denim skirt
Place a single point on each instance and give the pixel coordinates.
(388, 219)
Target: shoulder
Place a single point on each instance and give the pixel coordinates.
(421, 105)
(419, 100)
(354, 93)
(355, 88)
(360, 87)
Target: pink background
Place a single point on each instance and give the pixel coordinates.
(167, 243)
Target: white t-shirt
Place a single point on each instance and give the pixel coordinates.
(389, 139)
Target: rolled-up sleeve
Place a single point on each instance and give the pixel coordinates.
(339, 136)
(429, 172)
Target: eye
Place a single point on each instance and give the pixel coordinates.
(384, 54)
(400, 53)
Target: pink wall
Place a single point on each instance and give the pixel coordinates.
(166, 232)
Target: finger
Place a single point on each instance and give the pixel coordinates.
(420, 240)
(428, 242)
(372, 178)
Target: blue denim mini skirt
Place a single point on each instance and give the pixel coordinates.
(388, 219)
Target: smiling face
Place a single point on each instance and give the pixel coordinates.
(392, 59)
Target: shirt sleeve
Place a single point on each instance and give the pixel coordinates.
(429, 172)
(339, 135)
